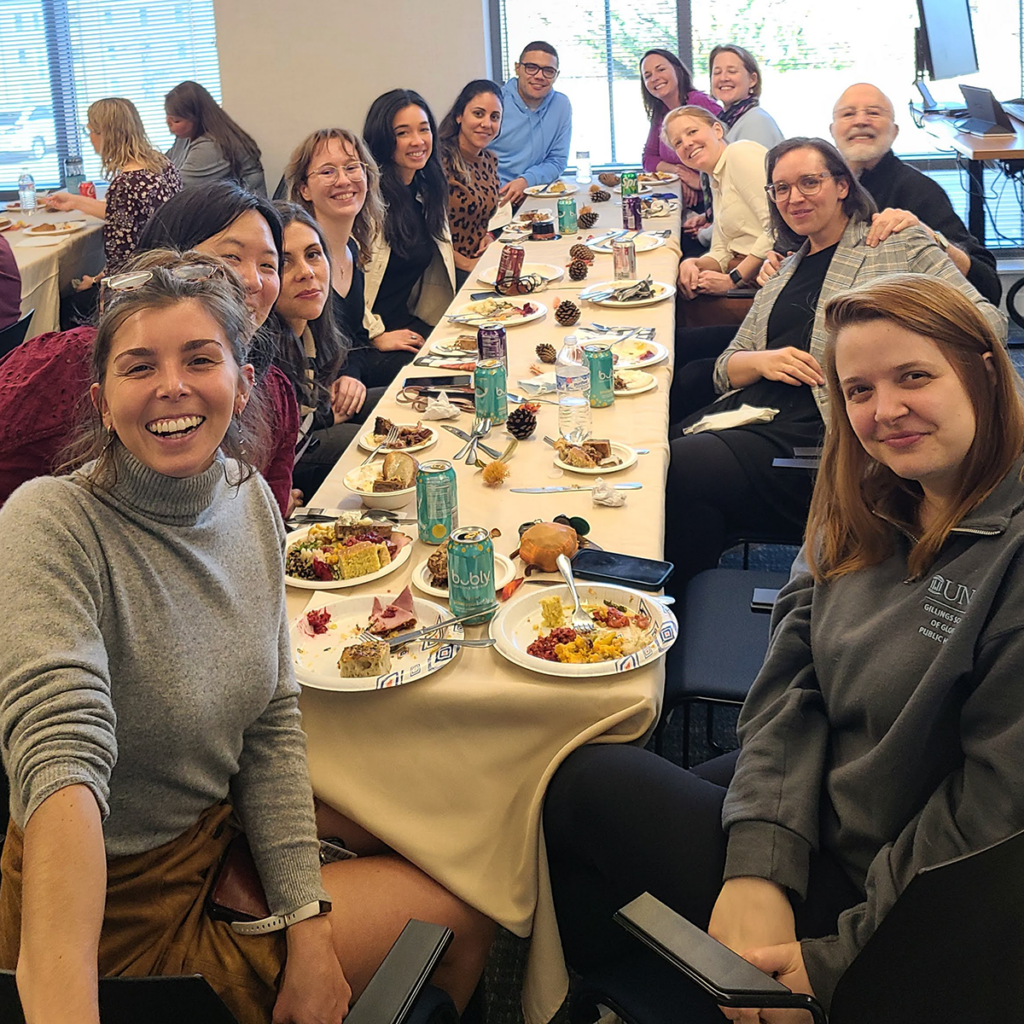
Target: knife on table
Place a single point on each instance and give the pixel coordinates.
(463, 436)
(573, 487)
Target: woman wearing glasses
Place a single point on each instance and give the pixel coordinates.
(472, 171)
(721, 483)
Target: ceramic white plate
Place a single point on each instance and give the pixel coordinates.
(643, 242)
(631, 354)
(504, 572)
(538, 190)
(513, 629)
(620, 451)
(473, 309)
(396, 563)
(65, 227)
(316, 657)
(661, 292)
(546, 270)
(367, 443)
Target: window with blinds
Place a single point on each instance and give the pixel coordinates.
(59, 56)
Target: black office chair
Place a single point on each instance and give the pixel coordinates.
(722, 643)
(950, 949)
(1011, 305)
(396, 994)
(11, 337)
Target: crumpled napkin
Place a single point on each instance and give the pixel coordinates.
(604, 494)
(542, 384)
(440, 408)
(733, 418)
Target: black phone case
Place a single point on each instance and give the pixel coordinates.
(580, 570)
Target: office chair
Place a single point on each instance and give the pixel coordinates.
(11, 337)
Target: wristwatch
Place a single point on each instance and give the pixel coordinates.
(735, 276)
(278, 922)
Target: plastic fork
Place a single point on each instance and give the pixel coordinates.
(389, 439)
(580, 620)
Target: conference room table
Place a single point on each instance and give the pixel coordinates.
(451, 770)
(48, 263)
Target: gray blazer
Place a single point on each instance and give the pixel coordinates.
(911, 251)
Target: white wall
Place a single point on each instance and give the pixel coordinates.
(289, 67)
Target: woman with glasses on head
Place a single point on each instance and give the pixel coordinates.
(209, 145)
(472, 171)
(721, 483)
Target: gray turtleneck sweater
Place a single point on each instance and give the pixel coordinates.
(144, 653)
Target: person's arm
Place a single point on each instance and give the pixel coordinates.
(748, 177)
(285, 432)
(64, 888)
(652, 147)
(66, 201)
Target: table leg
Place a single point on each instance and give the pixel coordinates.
(975, 199)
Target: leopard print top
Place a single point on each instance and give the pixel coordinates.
(471, 205)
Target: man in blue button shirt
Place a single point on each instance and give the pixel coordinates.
(533, 147)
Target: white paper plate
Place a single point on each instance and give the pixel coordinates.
(37, 242)
(643, 382)
(664, 209)
(445, 346)
(316, 658)
(367, 443)
(513, 629)
(662, 291)
(504, 572)
(657, 178)
(538, 190)
(472, 309)
(643, 242)
(623, 451)
(629, 352)
(396, 563)
(546, 270)
(67, 227)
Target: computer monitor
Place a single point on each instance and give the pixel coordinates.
(946, 39)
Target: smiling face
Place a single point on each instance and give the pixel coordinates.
(171, 387)
(335, 181)
(660, 79)
(730, 80)
(863, 126)
(534, 85)
(305, 276)
(414, 141)
(479, 121)
(906, 404)
(247, 246)
(818, 216)
(698, 144)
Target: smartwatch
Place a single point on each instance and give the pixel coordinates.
(735, 276)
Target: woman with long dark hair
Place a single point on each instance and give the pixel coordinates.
(208, 144)
(410, 279)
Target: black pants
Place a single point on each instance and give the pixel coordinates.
(381, 368)
(620, 821)
(692, 377)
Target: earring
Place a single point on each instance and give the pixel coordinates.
(241, 436)
(111, 438)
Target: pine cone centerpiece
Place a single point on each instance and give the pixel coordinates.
(581, 252)
(522, 422)
(607, 178)
(586, 219)
(599, 195)
(546, 353)
(578, 270)
(567, 312)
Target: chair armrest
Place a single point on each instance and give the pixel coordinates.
(807, 463)
(724, 975)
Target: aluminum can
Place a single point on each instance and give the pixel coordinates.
(489, 385)
(437, 501)
(629, 185)
(602, 375)
(87, 189)
(491, 343)
(567, 216)
(471, 574)
(631, 216)
(624, 260)
(510, 265)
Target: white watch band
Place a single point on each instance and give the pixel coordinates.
(278, 922)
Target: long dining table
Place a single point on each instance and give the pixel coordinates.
(451, 770)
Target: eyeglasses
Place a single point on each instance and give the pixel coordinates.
(806, 185)
(329, 174)
(549, 72)
(135, 279)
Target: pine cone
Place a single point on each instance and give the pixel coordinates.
(578, 270)
(586, 219)
(598, 195)
(607, 178)
(581, 252)
(546, 353)
(522, 422)
(567, 312)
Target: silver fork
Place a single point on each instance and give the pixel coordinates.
(389, 439)
(485, 429)
(479, 429)
(366, 637)
(580, 620)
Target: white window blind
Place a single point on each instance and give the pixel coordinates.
(59, 56)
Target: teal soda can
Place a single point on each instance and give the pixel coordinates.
(602, 375)
(437, 501)
(471, 574)
(567, 217)
(489, 385)
(629, 184)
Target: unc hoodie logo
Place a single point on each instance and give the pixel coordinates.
(949, 590)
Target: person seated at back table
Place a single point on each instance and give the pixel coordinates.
(10, 286)
(533, 147)
(864, 128)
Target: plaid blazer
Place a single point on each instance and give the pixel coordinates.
(854, 263)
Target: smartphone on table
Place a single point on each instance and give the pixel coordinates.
(612, 567)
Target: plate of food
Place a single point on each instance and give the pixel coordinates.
(633, 382)
(651, 207)
(643, 240)
(332, 651)
(462, 345)
(594, 457)
(633, 353)
(547, 271)
(642, 187)
(412, 437)
(507, 312)
(63, 227)
(431, 576)
(656, 177)
(389, 484)
(555, 188)
(349, 551)
(627, 293)
(632, 630)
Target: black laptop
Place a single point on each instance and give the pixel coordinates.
(985, 115)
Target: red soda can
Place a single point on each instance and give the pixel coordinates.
(87, 189)
(510, 265)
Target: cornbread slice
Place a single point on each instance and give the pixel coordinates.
(553, 611)
(360, 661)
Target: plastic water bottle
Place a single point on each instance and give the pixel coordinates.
(572, 381)
(74, 174)
(583, 167)
(27, 192)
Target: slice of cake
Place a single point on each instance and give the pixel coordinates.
(360, 661)
(360, 559)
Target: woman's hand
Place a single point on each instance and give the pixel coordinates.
(392, 341)
(314, 989)
(347, 397)
(295, 500)
(484, 243)
(714, 282)
(62, 201)
(750, 913)
(694, 223)
(85, 282)
(790, 365)
(770, 267)
(689, 277)
(664, 167)
(785, 963)
(889, 222)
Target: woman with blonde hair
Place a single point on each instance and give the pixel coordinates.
(904, 634)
